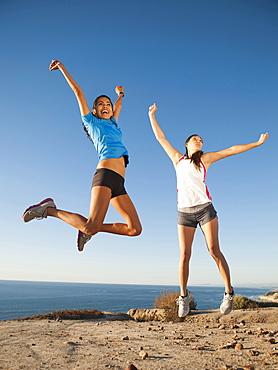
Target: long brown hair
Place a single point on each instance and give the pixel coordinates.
(196, 157)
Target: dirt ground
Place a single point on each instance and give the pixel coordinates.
(205, 340)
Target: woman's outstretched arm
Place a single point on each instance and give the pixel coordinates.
(211, 157)
(83, 106)
(119, 102)
(173, 154)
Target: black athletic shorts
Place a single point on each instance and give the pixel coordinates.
(111, 180)
(192, 216)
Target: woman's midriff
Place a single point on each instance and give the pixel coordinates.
(114, 164)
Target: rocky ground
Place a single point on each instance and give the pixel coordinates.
(204, 340)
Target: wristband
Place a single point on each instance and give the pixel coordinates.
(121, 93)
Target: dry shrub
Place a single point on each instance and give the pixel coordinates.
(167, 301)
(68, 315)
(241, 303)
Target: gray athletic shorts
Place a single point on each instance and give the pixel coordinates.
(111, 180)
(192, 216)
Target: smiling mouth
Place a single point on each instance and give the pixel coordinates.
(104, 111)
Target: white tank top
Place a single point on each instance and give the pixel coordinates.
(191, 187)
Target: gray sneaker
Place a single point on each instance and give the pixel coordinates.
(82, 239)
(38, 211)
(227, 303)
(183, 303)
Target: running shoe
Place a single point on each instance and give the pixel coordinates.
(82, 239)
(38, 211)
(183, 303)
(227, 303)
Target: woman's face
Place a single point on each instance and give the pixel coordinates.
(195, 143)
(103, 108)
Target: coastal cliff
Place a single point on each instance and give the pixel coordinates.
(270, 296)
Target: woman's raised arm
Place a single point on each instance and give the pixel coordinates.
(173, 154)
(83, 106)
(119, 102)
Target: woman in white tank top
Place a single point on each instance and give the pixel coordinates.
(194, 200)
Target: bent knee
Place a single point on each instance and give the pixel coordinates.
(135, 231)
(91, 229)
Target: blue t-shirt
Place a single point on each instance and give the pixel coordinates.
(106, 136)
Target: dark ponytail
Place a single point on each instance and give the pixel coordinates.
(196, 157)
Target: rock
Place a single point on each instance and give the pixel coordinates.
(234, 326)
(251, 352)
(180, 336)
(115, 316)
(239, 346)
(228, 345)
(143, 354)
(131, 367)
(154, 314)
(270, 296)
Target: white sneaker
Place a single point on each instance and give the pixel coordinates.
(82, 239)
(38, 211)
(227, 303)
(183, 303)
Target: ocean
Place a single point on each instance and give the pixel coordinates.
(28, 298)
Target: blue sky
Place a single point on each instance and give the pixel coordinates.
(210, 66)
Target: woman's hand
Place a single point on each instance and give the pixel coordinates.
(83, 106)
(119, 89)
(262, 138)
(152, 110)
(54, 65)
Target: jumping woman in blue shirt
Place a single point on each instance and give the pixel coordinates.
(102, 128)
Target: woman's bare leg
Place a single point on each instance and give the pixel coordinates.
(210, 231)
(100, 200)
(186, 236)
(124, 206)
